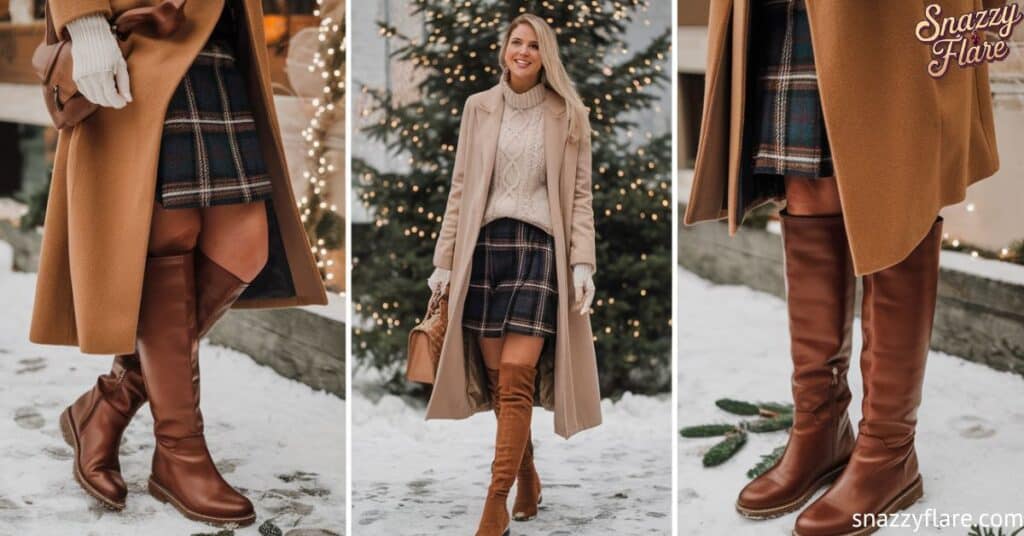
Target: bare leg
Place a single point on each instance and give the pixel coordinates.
(491, 349)
(173, 231)
(812, 197)
(522, 350)
(235, 237)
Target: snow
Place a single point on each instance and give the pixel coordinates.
(733, 342)
(11, 210)
(1006, 272)
(279, 441)
(416, 477)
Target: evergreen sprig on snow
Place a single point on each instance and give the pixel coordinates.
(773, 417)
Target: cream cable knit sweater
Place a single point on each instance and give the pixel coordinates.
(519, 185)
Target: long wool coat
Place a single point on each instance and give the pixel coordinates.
(567, 382)
(904, 144)
(103, 189)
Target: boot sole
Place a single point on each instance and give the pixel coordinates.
(519, 516)
(67, 429)
(904, 500)
(163, 495)
(792, 506)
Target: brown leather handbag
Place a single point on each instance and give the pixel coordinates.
(53, 64)
(427, 338)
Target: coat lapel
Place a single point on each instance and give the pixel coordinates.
(488, 125)
(556, 132)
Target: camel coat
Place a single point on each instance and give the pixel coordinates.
(904, 144)
(103, 189)
(567, 379)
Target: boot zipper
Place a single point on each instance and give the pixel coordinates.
(832, 399)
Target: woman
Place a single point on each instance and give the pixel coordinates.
(518, 219)
(828, 107)
(167, 205)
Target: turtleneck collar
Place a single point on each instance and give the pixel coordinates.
(527, 99)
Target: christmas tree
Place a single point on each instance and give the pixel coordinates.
(456, 56)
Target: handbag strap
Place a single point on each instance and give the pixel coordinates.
(435, 299)
(162, 19)
(51, 34)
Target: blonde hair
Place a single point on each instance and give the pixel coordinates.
(552, 74)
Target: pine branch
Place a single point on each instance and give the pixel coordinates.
(737, 407)
(767, 462)
(725, 449)
(707, 430)
(760, 426)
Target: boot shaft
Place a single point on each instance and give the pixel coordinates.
(168, 346)
(820, 294)
(898, 310)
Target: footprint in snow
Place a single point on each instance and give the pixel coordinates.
(972, 427)
(32, 364)
(29, 418)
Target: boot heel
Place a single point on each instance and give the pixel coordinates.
(910, 496)
(66, 429)
(158, 492)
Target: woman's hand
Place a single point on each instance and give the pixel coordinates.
(438, 279)
(583, 284)
(99, 68)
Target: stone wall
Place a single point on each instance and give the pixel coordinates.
(297, 343)
(977, 318)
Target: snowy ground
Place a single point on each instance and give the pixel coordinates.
(413, 477)
(733, 342)
(278, 441)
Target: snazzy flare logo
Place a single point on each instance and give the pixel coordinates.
(961, 38)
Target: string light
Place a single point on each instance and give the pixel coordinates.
(1012, 253)
(314, 208)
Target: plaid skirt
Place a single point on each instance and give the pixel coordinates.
(210, 150)
(512, 286)
(790, 134)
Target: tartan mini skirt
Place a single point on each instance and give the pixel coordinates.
(512, 285)
(790, 135)
(210, 150)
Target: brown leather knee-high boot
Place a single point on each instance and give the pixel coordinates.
(515, 385)
(820, 289)
(94, 424)
(882, 476)
(528, 491)
(183, 472)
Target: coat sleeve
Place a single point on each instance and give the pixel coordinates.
(581, 242)
(65, 11)
(444, 249)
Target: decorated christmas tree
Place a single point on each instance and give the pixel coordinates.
(455, 56)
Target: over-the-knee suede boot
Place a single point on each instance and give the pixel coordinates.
(528, 490)
(183, 472)
(882, 476)
(93, 424)
(515, 386)
(820, 288)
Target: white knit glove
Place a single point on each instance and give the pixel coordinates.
(99, 68)
(438, 279)
(583, 284)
